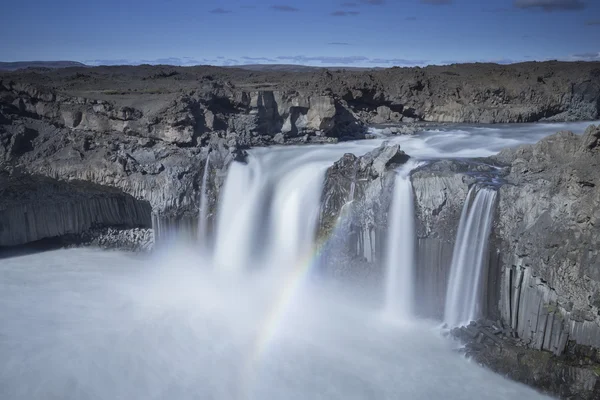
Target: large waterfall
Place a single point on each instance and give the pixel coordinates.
(400, 249)
(468, 268)
(183, 323)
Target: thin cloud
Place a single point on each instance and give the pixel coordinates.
(374, 2)
(351, 60)
(247, 6)
(349, 4)
(503, 61)
(325, 60)
(183, 61)
(230, 61)
(587, 56)
(338, 44)
(284, 8)
(550, 5)
(593, 22)
(341, 13)
(397, 61)
(265, 59)
(436, 2)
(220, 11)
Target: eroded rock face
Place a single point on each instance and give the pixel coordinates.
(166, 176)
(543, 282)
(492, 344)
(354, 208)
(189, 119)
(547, 232)
(186, 106)
(33, 208)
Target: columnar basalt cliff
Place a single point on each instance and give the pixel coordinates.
(543, 273)
(34, 208)
(548, 236)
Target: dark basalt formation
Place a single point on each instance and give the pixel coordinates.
(185, 105)
(148, 130)
(575, 375)
(544, 276)
(543, 283)
(34, 208)
(353, 217)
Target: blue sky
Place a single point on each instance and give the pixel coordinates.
(311, 32)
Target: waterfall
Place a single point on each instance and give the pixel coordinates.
(203, 210)
(463, 297)
(268, 212)
(400, 249)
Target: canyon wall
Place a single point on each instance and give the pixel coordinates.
(34, 208)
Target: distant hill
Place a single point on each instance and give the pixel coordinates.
(13, 66)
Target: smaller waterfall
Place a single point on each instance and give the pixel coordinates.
(400, 249)
(463, 298)
(203, 211)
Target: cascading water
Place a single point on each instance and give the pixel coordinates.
(179, 331)
(400, 249)
(203, 211)
(268, 212)
(463, 298)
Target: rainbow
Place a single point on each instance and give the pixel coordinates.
(271, 324)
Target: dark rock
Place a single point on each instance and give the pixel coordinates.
(354, 208)
(33, 208)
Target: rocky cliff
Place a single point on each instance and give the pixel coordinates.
(33, 208)
(185, 105)
(543, 272)
(353, 217)
(547, 232)
(148, 130)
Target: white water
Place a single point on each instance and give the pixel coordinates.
(203, 212)
(463, 298)
(400, 249)
(81, 324)
(269, 210)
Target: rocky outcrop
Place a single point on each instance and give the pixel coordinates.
(186, 106)
(547, 233)
(35, 208)
(542, 282)
(353, 217)
(148, 130)
(495, 345)
(165, 175)
(136, 239)
(254, 116)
